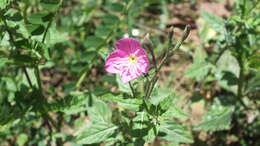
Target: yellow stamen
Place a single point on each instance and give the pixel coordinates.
(132, 59)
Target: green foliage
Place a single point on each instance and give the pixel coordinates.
(200, 66)
(215, 22)
(71, 104)
(217, 118)
(175, 132)
(54, 89)
(127, 103)
(101, 127)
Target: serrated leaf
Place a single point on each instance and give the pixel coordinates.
(150, 137)
(131, 104)
(96, 133)
(161, 95)
(101, 129)
(228, 63)
(215, 22)
(200, 67)
(71, 104)
(217, 118)
(175, 112)
(175, 132)
(100, 112)
(227, 71)
(198, 70)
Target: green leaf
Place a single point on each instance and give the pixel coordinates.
(175, 112)
(13, 15)
(96, 133)
(130, 103)
(198, 70)
(200, 67)
(3, 4)
(22, 139)
(93, 42)
(24, 99)
(3, 61)
(254, 84)
(110, 19)
(74, 103)
(102, 31)
(35, 29)
(50, 5)
(174, 132)
(102, 128)
(23, 59)
(40, 17)
(114, 7)
(215, 22)
(143, 127)
(100, 112)
(150, 137)
(161, 95)
(55, 36)
(227, 62)
(123, 87)
(217, 118)
(227, 72)
(254, 61)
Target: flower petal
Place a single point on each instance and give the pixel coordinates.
(119, 61)
(131, 73)
(116, 61)
(143, 60)
(128, 45)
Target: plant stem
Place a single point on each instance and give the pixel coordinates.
(38, 78)
(167, 53)
(152, 86)
(241, 79)
(132, 89)
(13, 43)
(46, 30)
(27, 76)
(150, 47)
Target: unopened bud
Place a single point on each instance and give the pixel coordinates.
(186, 32)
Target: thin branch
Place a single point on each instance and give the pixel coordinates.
(132, 89)
(168, 53)
(27, 76)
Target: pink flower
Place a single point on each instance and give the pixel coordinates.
(129, 60)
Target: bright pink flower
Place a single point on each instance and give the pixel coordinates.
(129, 60)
